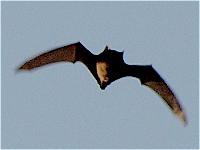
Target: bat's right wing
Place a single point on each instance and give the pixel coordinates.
(70, 53)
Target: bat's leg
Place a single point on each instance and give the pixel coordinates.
(103, 85)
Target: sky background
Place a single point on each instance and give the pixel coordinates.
(61, 105)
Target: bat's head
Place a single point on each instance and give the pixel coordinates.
(113, 54)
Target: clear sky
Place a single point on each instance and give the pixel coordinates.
(61, 105)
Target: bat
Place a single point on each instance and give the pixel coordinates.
(107, 67)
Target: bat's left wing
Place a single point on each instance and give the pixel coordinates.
(150, 78)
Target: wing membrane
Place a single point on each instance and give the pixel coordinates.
(150, 78)
(70, 53)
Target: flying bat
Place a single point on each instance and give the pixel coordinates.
(107, 67)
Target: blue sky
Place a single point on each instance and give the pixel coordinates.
(61, 105)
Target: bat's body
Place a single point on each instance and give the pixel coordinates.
(107, 67)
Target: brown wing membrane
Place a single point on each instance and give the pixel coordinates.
(70, 53)
(149, 77)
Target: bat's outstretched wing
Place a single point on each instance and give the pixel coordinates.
(70, 53)
(149, 77)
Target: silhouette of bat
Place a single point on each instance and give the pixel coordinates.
(107, 67)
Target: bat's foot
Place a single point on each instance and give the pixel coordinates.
(103, 85)
(103, 88)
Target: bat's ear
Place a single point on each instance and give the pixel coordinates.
(121, 53)
(106, 48)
